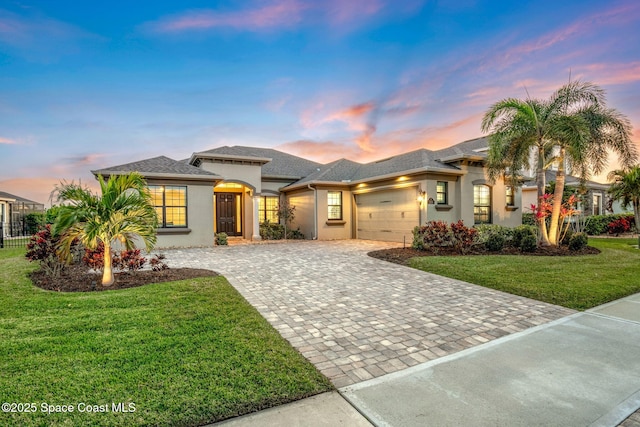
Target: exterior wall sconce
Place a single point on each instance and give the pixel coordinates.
(422, 196)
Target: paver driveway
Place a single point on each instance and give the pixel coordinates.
(356, 317)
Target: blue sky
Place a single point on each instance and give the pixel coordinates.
(85, 85)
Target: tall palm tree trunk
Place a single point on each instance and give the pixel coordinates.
(107, 274)
(554, 226)
(540, 181)
(636, 214)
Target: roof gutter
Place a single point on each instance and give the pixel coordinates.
(315, 211)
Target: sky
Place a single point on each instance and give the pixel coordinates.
(87, 85)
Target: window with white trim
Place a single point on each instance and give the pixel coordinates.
(334, 204)
(482, 204)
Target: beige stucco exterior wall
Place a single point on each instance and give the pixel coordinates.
(499, 213)
(199, 218)
(247, 174)
(334, 230)
(303, 201)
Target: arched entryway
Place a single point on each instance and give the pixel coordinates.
(228, 203)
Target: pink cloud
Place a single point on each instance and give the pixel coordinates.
(277, 14)
(624, 14)
(611, 73)
(273, 14)
(340, 11)
(320, 151)
(369, 146)
(7, 141)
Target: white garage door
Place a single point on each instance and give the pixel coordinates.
(387, 215)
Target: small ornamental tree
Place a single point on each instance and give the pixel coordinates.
(287, 213)
(568, 210)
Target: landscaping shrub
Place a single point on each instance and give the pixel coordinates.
(463, 237)
(528, 243)
(567, 237)
(520, 232)
(621, 225)
(418, 240)
(486, 230)
(295, 234)
(598, 224)
(578, 241)
(130, 260)
(439, 234)
(221, 239)
(529, 219)
(271, 231)
(34, 221)
(42, 248)
(157, 262)
(495, 242)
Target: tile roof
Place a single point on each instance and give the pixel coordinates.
(472, 147)
(5, 195)
(570, 180)
(160, 165)
(281, 164)
(337, 171)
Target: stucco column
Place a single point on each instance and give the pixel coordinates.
(255, 234)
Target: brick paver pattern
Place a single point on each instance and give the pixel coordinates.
(357, 317)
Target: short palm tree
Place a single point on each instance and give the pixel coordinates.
(124, 212)
(626, 188)
(572, 126)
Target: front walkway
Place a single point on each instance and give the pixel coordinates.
(356, 317)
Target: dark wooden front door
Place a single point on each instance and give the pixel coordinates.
(226, 213)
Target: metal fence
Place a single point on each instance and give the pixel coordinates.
(14, 234)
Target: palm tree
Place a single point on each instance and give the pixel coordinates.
(518, 129)
(123, 212)
(626, 187)
(571, 126)
(588, 132)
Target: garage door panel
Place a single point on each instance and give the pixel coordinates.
(387, 215)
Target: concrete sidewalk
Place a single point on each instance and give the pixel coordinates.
(581, 370)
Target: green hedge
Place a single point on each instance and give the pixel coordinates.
(597, 224)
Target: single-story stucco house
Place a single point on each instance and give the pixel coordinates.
(595, 195)
(234, 189)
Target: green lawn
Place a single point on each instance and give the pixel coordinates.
(578, 282)
(183, 353)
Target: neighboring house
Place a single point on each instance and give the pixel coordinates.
(13, 210)
(595, 197)
(234, 189)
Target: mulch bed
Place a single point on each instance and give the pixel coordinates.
(79, 279)
(403, 255)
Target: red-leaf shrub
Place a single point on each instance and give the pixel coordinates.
(439, 234)
(125, 260)
(621, 225)
(42, 248)
(463, 236)
(157, 263)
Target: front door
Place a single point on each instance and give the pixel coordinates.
(227, 207)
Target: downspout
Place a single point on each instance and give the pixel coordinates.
(315, 211)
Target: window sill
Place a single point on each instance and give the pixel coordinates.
(443, 207)
(335, 222)
(511, 208)
(176, 230)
